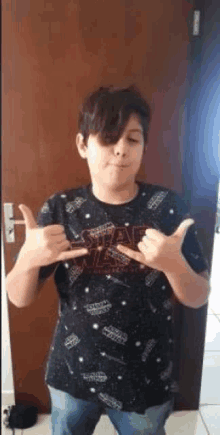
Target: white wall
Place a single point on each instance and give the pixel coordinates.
(8, 396)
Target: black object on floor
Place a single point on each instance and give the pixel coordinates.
(20, 416)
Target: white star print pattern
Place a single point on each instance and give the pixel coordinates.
(45, 208)
(98, 308)
(115, 334)
(167, 373)
(102, 230)
(167, 304)
(148, 348)
(73, 232)
(95, 377)
(113, 358)
(110, 401)
(116, 329)
(156, 200)
(151, 278)
(71, 341)
(71, 206)
(112, 252)
(138, 343)
(117, 281)
(69, 368)
(153, 309)
(74, 273)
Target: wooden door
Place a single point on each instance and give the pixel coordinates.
(54, 53)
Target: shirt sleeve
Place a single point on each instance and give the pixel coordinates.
(168, 217)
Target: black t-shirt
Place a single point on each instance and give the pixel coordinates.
(114, 341)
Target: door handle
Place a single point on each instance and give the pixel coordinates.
(10, 222)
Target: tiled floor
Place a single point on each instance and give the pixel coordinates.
(205, 421)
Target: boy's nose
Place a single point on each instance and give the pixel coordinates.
(120, 152)
(120, 149)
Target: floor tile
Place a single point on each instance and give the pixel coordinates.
(210, 391)
(210, 311)
(211, 416)
(214, 301)
(179, 423)
(105, 426)
(212, 338)
(4, 430)
(43, 426)
(185, 423)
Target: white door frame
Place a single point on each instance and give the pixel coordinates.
(8, 391)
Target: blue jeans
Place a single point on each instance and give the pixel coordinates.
(70, 416)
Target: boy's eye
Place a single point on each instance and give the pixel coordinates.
(132, 140)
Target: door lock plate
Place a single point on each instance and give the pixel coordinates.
(9, 223)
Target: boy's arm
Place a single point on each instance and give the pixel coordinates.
(25, 281)
(205, 274)
(191, 288)
(22, 285)
(45, 247)
(164, 253)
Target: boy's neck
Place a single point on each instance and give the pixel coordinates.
(113, 196)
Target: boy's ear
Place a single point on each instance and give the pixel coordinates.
(81, 145)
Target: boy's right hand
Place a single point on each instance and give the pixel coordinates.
(44, 246)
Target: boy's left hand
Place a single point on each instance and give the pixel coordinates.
(159, 251)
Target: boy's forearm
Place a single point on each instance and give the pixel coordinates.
(190, 288)
(22, 285)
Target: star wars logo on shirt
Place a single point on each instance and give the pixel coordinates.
(103, 255)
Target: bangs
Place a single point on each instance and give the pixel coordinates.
(106, 113)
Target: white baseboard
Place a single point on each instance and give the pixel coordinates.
(8, 398)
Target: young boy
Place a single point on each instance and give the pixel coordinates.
(121, 252)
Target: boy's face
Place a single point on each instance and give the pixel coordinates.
(114, 164)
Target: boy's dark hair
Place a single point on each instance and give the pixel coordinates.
(106, 112)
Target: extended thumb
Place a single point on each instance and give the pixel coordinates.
(28, 216)
(183, 227)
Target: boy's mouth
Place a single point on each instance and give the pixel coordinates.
(121, 166)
